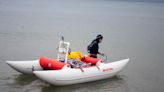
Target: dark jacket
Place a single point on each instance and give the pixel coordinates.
(93, 48)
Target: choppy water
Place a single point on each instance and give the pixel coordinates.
(32, 28)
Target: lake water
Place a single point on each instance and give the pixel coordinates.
(32, 28)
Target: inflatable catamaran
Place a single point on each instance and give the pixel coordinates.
(61, 71)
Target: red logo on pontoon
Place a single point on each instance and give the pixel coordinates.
(107, 69)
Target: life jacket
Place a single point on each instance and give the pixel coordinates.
(75, 55)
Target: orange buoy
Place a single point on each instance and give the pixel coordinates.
(52, 64)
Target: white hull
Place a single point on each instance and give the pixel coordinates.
(25, 67)
(72, 76)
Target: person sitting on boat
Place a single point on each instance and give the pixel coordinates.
(93, 48)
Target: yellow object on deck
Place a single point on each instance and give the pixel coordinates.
(75, 55)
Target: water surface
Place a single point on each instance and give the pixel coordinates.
(30, 29)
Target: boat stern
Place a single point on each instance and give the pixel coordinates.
(25, 67)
